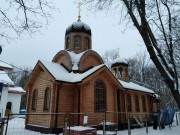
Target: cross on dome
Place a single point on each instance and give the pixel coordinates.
(79, 10)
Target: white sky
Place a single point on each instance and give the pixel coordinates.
(106, 35)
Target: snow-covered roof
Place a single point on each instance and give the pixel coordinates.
(75, 59)
(78, 26)
(133, 86)
(4, 78)
(2, 64)
(16, 89)
(61, 74)
(119, 60)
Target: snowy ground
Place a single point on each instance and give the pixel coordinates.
(175, 130)
(16, 127)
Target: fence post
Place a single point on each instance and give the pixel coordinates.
(146, 124)
(65, 126)
(169, 120)
(2, 126)
(104, 127)
(159, 120)
(7, 124)
(177, 119)
(105, 121)
(69, 123)
(129, 126)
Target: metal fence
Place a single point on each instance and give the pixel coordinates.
(33, 124)
(113, 122)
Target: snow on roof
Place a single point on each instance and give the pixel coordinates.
(4, 78)
(133, 86)
(78, 25)
(2, 64)
(61, 74)
(75, 59)
(16, 89)
(119, 60)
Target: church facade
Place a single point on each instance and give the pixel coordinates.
(78, 81)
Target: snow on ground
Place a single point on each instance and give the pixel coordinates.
(175, 130)
(16, 126)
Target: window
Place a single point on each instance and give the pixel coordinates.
(100, 95)
(34, 100)
(144, 103)
(8, 106)
(137, 103)
(77, 42)
(47, 99)
(128, 99)
(67, 43)
(86, 43)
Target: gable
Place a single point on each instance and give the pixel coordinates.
(39, 73)
(89, 59)
(63, 57)
(105, 74)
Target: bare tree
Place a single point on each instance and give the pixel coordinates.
(18, 17)
(157, 21)
(143, 72)
(20, 77)
(109, 56)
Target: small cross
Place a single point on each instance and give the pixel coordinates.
(79, 10)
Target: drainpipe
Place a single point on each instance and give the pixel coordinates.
(57, 105)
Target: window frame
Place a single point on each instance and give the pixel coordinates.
(129, 103)
(9, 105)
(77, 42)
(68, 41)
(34, 100)
(86, 43)
(47, 99)
(144, 103)
(137, 107)
(100, 101)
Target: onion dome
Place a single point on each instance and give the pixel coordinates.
(78, 26)
(118, 62)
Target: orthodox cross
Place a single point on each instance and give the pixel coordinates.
(79, 10)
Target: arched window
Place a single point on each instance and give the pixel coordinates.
(144, 103)
(77, 42)
(47, 99)
(128, 99)
(67, 43)
(100, 97)
(86, 43)
(120, 72)
(34, 100)
(8, 106)
(137, 103)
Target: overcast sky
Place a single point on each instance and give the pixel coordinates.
(106, 35)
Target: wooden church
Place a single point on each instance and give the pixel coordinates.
(78, 81)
